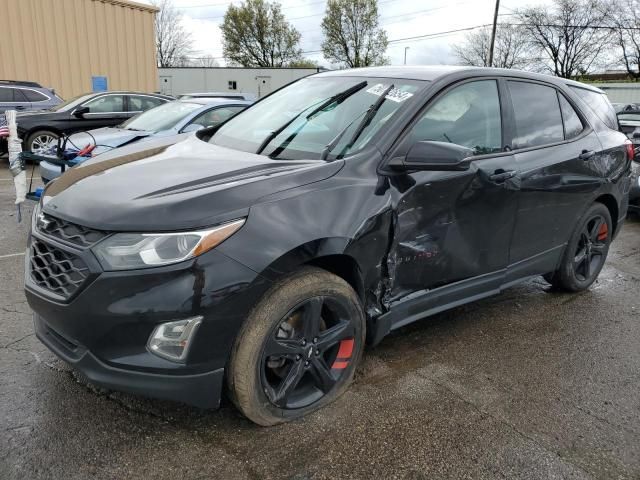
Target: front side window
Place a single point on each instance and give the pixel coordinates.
(106, 104)
(216, 116)
(468, 115)
(6, 94)
(537, 114)
(305, 119)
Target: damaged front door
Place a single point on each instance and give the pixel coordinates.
(454, 225)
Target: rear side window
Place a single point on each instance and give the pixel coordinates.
(33, 96)
(599, 103)
(142, 104)
(537, 115)
(572, 123)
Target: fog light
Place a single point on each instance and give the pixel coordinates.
(171, 340)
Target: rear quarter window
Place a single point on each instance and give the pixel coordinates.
(599, 103)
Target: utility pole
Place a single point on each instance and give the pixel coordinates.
(405, 54)
(493, 33)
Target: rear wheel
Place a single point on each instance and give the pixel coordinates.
(586, 251)
(42, 141)
(298, 349)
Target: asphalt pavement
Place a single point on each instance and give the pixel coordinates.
(528, 384)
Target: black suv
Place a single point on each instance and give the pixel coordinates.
(40, 130)
(257, 258)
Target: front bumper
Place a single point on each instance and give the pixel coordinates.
(102, 328)
(201, 390)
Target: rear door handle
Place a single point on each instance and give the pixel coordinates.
(586, 154)
(502, 175)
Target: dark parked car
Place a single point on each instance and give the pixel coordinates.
(629, 121)
(40, 130)
(21, 95)
(339, 208)
(167, 120)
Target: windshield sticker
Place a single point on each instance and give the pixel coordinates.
(394, 95)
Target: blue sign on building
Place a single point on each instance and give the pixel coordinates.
(99, 84)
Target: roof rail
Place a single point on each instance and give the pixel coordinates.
(21, 83)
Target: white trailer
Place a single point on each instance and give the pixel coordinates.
(258, 81)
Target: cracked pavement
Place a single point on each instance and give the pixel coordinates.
(528, 384)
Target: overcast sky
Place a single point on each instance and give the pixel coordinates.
(400, 18)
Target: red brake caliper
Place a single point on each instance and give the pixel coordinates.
(344, 354)
(603, 233)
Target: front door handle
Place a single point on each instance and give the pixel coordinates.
(586, 155)
(502, 175)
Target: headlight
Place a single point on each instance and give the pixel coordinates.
(124, 251)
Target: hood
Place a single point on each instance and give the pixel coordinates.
(34, 113)
(160, 185)
(107, 137)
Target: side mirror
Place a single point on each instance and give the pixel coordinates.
(434, 156)
(194, 127)
(80, 111)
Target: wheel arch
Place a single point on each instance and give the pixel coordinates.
(610, 202)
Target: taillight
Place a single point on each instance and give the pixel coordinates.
(630, 150)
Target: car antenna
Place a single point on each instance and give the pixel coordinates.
(369, 114)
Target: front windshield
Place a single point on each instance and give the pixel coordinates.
(160, 118)
(71, 103)
(307, 132)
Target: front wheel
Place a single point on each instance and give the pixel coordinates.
(586, 251)
(42, 141)
(298, 349)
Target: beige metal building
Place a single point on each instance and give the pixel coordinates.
(73, 45)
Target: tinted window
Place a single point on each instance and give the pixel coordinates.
(33, 96)
(468, 115)
(141, 104)
(216, 116)
(106, 104)
(6, 94)
(572, 123)
(600, 105)
(537, 115)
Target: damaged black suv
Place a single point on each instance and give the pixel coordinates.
(259, 258)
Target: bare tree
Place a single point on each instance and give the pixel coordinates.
(257, 34)
(206, 61)
(173, 42)
(511, 48)
(352, 35)
(626, 39)
(566, 35)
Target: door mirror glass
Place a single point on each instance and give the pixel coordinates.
(81, 111)
(436, 156)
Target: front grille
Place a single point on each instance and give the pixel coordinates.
(60, 272)
(69, 232)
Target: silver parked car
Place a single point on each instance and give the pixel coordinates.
(170, 119)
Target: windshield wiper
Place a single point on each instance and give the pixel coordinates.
(339, 97)
(368, 116)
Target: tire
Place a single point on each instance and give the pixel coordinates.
(586, 251)
(37, 140)
(272, 389)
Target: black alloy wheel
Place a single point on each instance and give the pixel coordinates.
(307, 353)
(592, 248)
(586, 251)
(298, 349)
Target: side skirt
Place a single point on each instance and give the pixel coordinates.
(425, 303)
